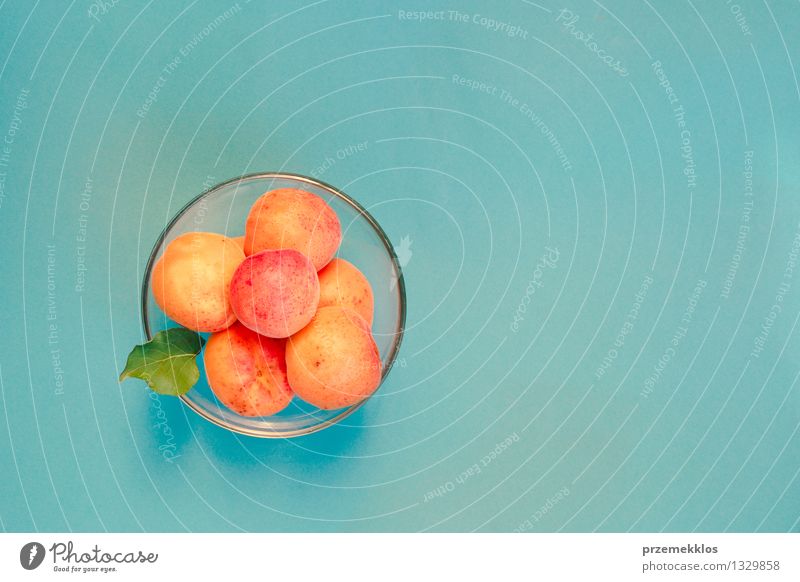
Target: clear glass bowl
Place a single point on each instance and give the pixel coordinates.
(223, 209)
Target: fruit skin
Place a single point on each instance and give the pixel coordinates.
(239, 240)
(191, 280)
(333, 362)
(247, 371)
(275, 293)
(341, 283)
(288, 218)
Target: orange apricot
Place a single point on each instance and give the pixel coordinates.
(289, 218)
(275, 293)
(191, 280)
(333, 362)
(341, 283)
(247, 371)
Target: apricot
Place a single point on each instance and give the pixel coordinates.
(239, 240)
(293, 219)
(341, 283)
(247, 371)
(275, 293)
(333, 362)
(191, 280)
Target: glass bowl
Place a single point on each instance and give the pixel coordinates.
(223, 209)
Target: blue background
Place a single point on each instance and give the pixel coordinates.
(486, 424)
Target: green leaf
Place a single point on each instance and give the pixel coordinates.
(167, 362)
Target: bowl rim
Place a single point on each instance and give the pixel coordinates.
(361, 211)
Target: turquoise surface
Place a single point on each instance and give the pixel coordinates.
(597, 210)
